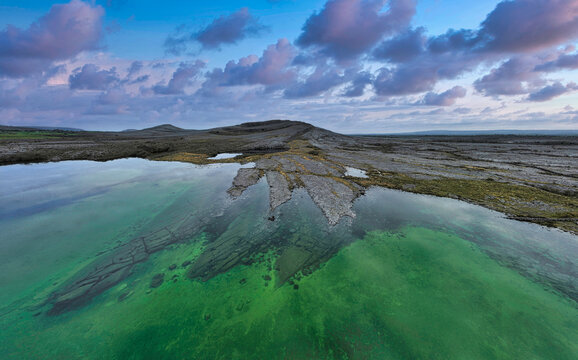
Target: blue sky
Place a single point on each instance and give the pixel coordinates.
(347, 65)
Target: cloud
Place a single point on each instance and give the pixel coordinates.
(135, 68)
(112, 96)
(322, 79)
(515, 32)
(181, 78)
(64, 32)
(515, 26)
(358, 85)
(447, 98)
(113, 101)
(404, 80)
(551, 91)
(271, 69)
(344, 29)
(404, 47)
(509, 78)
(565, 61)
(228, 29)
(530, 25)
(90, 77)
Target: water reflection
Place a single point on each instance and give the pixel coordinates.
(402, 279)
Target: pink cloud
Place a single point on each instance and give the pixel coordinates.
(64, 32)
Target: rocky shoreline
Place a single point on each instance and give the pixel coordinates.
(531, 179)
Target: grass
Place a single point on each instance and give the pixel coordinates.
(518, 201)
(32, 135)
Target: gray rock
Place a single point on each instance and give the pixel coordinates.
(334, 198)
(244, 179)
(279, 191)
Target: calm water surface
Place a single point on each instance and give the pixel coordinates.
(411, 277)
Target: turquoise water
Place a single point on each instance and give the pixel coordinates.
(411, 277)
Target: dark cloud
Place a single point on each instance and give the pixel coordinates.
(140, 79)
(344, 29)
(565, 61)
(90, 77)
(322, 79)
(64, 32)
(515, 26)
(509, 78)
(182, 78)
(551, 91)
(530, 25)
(514, 32)
(403, 47)
(358, 85)
(135, 68)
(404, 80)
(223, 30)
(453, 41)
(447, 98)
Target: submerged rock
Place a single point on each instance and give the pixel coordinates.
(126, 294)
(111, 268)
(157, 280)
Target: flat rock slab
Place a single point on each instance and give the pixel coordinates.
(334, 198)
(279, 191)
(244, 179)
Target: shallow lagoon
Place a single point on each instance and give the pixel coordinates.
(410, 277)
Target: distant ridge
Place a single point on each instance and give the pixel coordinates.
(479, 132)
(32, 128)
(160, 130)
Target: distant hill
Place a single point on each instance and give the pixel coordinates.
(160, 130)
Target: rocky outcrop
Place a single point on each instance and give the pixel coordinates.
(324, 181)
(279, 191)
(245, 178)
(334, 198)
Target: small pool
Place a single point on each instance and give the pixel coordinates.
(350, 171)
(225, 156)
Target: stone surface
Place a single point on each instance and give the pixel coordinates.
(279, 191)
(245, 178)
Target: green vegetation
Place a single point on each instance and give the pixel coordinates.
(519, 201)
(32, 135)
(416, 294)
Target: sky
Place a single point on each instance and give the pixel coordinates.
(351, 66)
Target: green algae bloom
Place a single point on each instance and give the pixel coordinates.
(410, 277)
